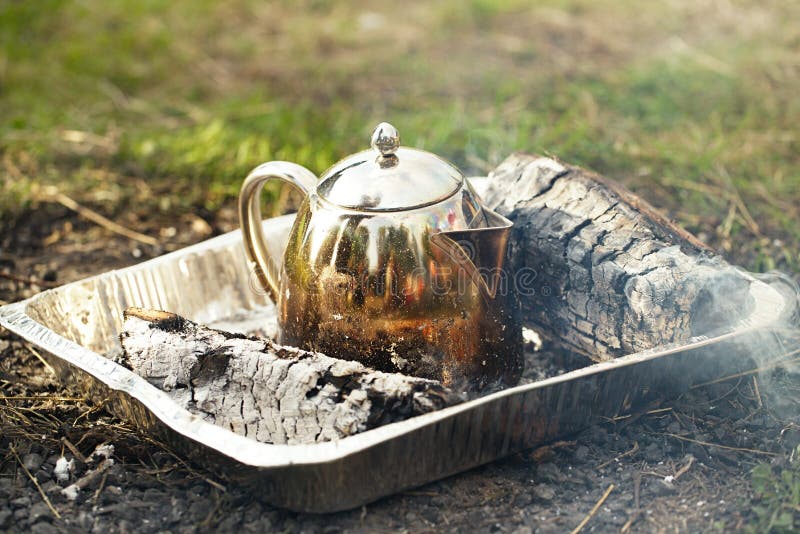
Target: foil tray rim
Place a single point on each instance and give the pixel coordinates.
(767, 311)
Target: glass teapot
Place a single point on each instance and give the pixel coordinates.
(392, 261)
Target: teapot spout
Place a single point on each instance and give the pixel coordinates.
(479, 252)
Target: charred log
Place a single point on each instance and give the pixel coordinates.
(600, 271)
(265, 391)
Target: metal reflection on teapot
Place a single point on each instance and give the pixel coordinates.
(392, 261)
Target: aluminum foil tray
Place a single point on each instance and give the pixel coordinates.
(210, 283)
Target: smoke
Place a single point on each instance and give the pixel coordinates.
(777, 352)
(762, 336)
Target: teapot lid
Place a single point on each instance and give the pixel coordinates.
(389, 177)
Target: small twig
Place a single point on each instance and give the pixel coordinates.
(74, 450)
(772, 365)
(629, 523)
(637, 486)
(757, 392)
(594, 510)
(100, 487)
(724, 395)
(186, 466)
(41, 358)
(89, 412)
(680, 472)
(72, 490)
(748, 218)
(713, 191)
(28, 280)
(100, 220)
(206, 523)
(158, 470)
(730, 193)
(623, 455)
(421, 493)
(726, 447)
(733, 193)
(11, 167)
(42, 398)
(35, 483)
(617, 418)
(19, 415)
(544, 450)
(789, 208)
(727, 225)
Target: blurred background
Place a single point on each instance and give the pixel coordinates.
(149, 111)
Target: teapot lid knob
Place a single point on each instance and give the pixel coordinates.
(385, 139)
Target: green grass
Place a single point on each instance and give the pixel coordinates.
(693, 106)
(776, 505)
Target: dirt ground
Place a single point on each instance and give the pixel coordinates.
(682, 465)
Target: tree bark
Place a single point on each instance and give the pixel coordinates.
(262, 390)
(601, 272)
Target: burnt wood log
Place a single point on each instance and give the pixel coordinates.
(265, 391)
(600, 272)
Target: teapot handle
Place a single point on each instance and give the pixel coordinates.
(267, 268)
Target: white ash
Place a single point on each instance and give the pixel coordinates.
(267, 392)
(261, 321)
(72, 491)
(531, 338)
(100, 460)
(104, 452)
(63, 469)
